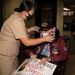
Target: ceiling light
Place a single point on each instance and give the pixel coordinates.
(66, 9)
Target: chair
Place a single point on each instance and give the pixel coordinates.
(67, 42)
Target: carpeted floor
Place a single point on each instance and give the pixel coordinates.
(70, 66)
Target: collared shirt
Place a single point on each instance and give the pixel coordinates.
(12, 30)
(46, 50)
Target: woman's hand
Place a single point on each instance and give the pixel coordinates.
(33, 56)
(35, 28)
(44, 60)
(49, 38)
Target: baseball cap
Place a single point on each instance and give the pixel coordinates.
(46, 25)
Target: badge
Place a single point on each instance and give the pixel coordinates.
(55, 49)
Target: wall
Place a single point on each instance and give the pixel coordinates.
(59, 22)
(8, 7)
(68, 19)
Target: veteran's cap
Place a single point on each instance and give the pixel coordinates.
(46, 25)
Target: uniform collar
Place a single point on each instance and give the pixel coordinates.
(18, 14)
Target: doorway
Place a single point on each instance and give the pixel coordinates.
(45, 10)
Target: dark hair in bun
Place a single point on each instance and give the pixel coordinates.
(26, 5)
